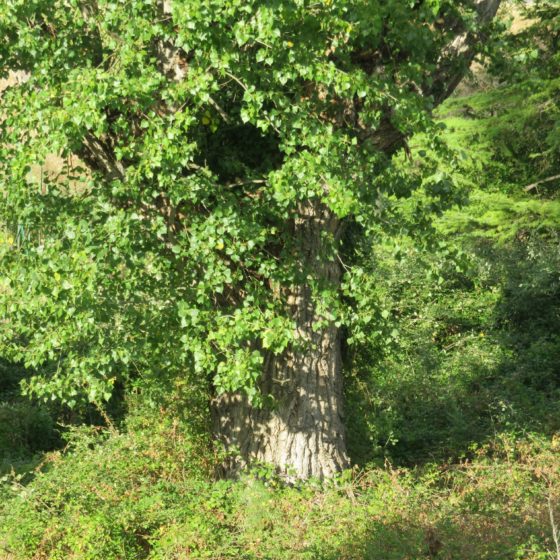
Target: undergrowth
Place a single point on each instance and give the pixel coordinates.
(143, 494)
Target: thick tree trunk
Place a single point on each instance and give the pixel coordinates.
(302, 432)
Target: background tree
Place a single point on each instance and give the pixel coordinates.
(225, 148)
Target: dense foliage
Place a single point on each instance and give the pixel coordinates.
(452, 371)
(159, 256)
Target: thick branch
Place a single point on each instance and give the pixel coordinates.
(453, 63)
(451, 68)
(101, 158)
(458, 55)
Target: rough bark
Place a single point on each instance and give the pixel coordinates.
(302, 435)
(302, 432)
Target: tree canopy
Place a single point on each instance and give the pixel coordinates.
(201, 128)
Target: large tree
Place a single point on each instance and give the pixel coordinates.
(215, 154)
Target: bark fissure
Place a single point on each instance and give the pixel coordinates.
(302, 433)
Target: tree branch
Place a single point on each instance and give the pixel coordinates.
(547, 180)
(100, 157)
(459, 54)
(452, 65)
